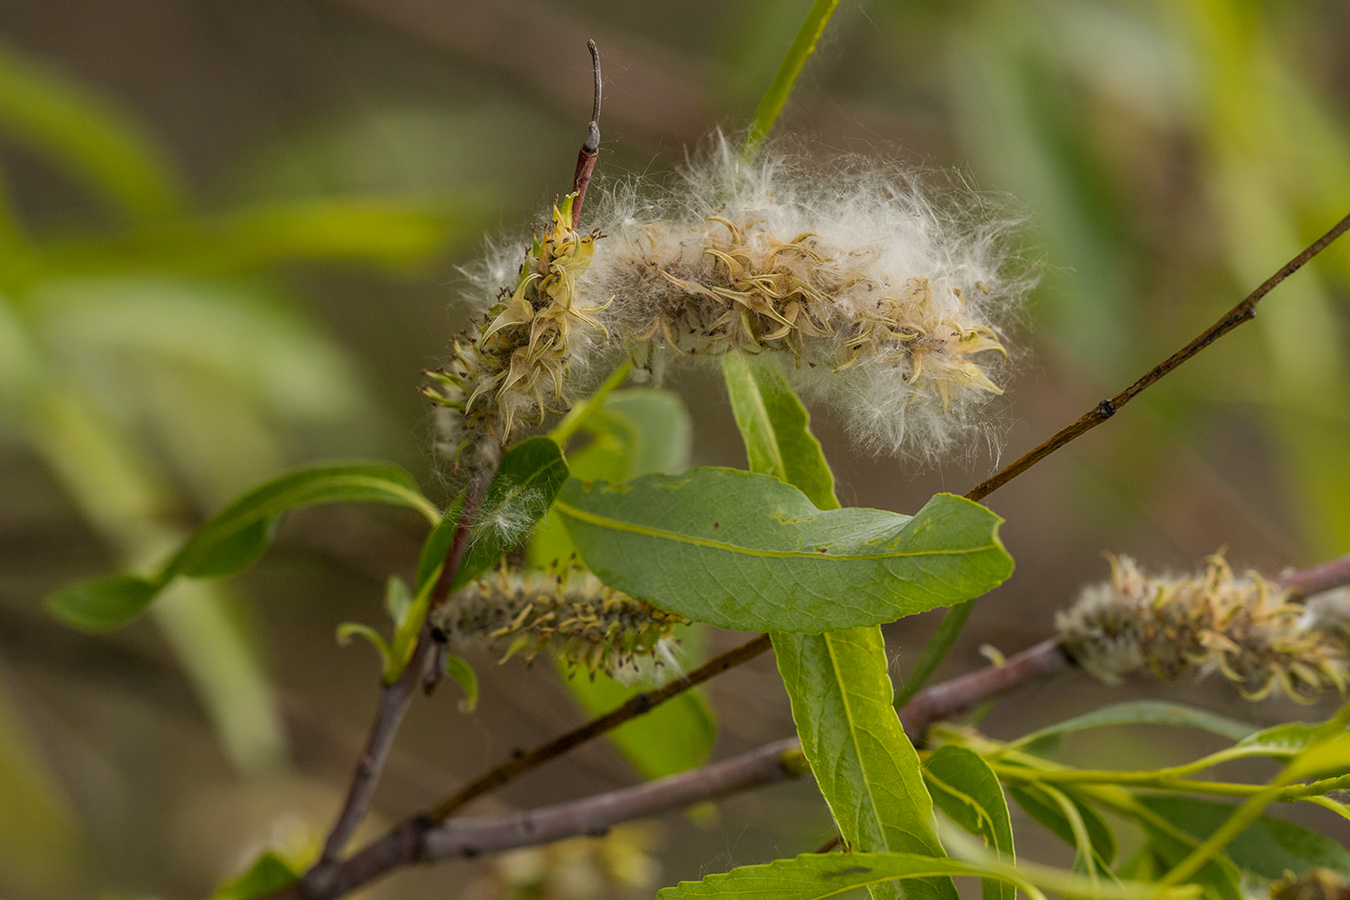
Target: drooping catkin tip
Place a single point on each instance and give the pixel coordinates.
(1243, 627)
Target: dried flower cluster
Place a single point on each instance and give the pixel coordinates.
(513, 371)
(1244, 627)
(585, 623)
(874, 299)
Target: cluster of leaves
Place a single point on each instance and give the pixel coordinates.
(770, 549)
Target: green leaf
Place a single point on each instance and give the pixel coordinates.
(748, 552)
(638, 431)
(1143, 712)
(99, 604)
(1042, 807)
(268, 874)
(235, 537)
(852, 738)
(964, 787)
(464, 675)
(436, 546)
(659, 431)
(814, 876)
(674, 737)
(1266, 848)
(374, 638)
(776, 427)
(775, 98)
(837, 682)
(518, 497)
(1281, 741)
(234, 552)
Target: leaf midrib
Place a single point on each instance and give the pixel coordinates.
(647, 531)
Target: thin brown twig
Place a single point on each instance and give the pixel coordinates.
(518, 764)
(421, 839)
(1243, 312)
(393, 705)
(590, 148)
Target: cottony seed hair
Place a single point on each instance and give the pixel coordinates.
(876, 300)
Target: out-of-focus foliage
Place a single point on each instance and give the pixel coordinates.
(154, 363)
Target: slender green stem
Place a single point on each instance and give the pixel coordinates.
(1289, 793)
(583, 410)
(803, 45)
(1251, 810)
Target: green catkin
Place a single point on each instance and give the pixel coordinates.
(1243, 627)
(583, 622)
(514, 369)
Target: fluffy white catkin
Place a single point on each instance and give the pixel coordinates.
(879, 301)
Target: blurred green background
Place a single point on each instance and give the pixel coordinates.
(229, 234)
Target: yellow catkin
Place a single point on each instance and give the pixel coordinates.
(1243, 627)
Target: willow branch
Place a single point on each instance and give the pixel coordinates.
(637, 705)
(390, 710)
(942, 701)
(420, 839)
(417, 842)
(1243, 312)
(1318, 578)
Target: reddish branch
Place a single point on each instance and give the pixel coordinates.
(1314, 580)
(590, 148)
